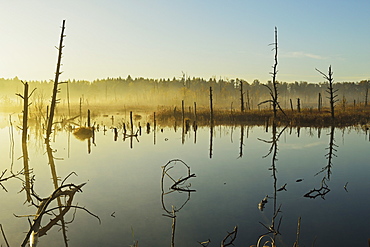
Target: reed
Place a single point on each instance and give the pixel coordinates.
(304, 118)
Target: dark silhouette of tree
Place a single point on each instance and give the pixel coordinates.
(330, 90)
(273, 87)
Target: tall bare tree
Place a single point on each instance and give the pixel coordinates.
(274, 88)
(330, 90)
(241, 96)
(54, 99)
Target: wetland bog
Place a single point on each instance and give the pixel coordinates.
(252, 177)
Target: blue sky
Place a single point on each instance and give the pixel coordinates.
(205, 38)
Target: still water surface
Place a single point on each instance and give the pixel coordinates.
(232, 175)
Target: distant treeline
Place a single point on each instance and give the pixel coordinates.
(119, 92)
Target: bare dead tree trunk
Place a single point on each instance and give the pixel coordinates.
(331, 91)
(248, 101)
(24, 143)
(88, 119)
(211, 104)
(183, 112)
(273, 89)
(291, 104)
(131, 124)
(274, 73)
(241, 97)
(26, 169)
(56, 83)
(195, 112)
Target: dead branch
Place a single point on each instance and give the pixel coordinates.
(322, 191)
(296, 243)
(231, 236)
(13, 175)
(3, 233)
(64, 190)
(174, 186)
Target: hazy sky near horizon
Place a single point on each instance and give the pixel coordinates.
(203, 38)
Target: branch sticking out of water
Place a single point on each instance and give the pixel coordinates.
(65, 190)
(231, 236)
(2, 232)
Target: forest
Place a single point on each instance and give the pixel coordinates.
(150, 94)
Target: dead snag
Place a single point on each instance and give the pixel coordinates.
(230, 237)
(274, 88)
(36, 230)
(56, 90)
(330, 90)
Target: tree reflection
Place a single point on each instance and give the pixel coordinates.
(327, 170)
(273, 227)
(44, 207)
(211, 140)
(26, 169)
(241, 145)
(50, 155)
(173, 169)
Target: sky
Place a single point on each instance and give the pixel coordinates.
(225, 39)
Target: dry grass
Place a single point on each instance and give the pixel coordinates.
(305, 118)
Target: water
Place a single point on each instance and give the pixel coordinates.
(232, 176)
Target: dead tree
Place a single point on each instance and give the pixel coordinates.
(230, 237)
(241, 96)
(44, 208)
(26, 169)
(366, 95)
(25, 98)
(211, 105)
(274, 88)
(56, 89)
(331, 91)
(291, 104)
(248, 101)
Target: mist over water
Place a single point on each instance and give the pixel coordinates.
(118, 94)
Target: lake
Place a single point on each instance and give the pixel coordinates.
(170, 187)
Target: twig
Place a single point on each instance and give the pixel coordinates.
(231, 235)
(77, 207)
(296, 243)
(2, 231)
(69, 176)
(174, 186)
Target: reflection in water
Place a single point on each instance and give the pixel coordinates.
(44, 208)
(274, 227)
(174, 198)
(49, 152)
(210, 140)
(26, 169)
(4, 178)
(324, 188)
(178, 185)
(241, 141)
